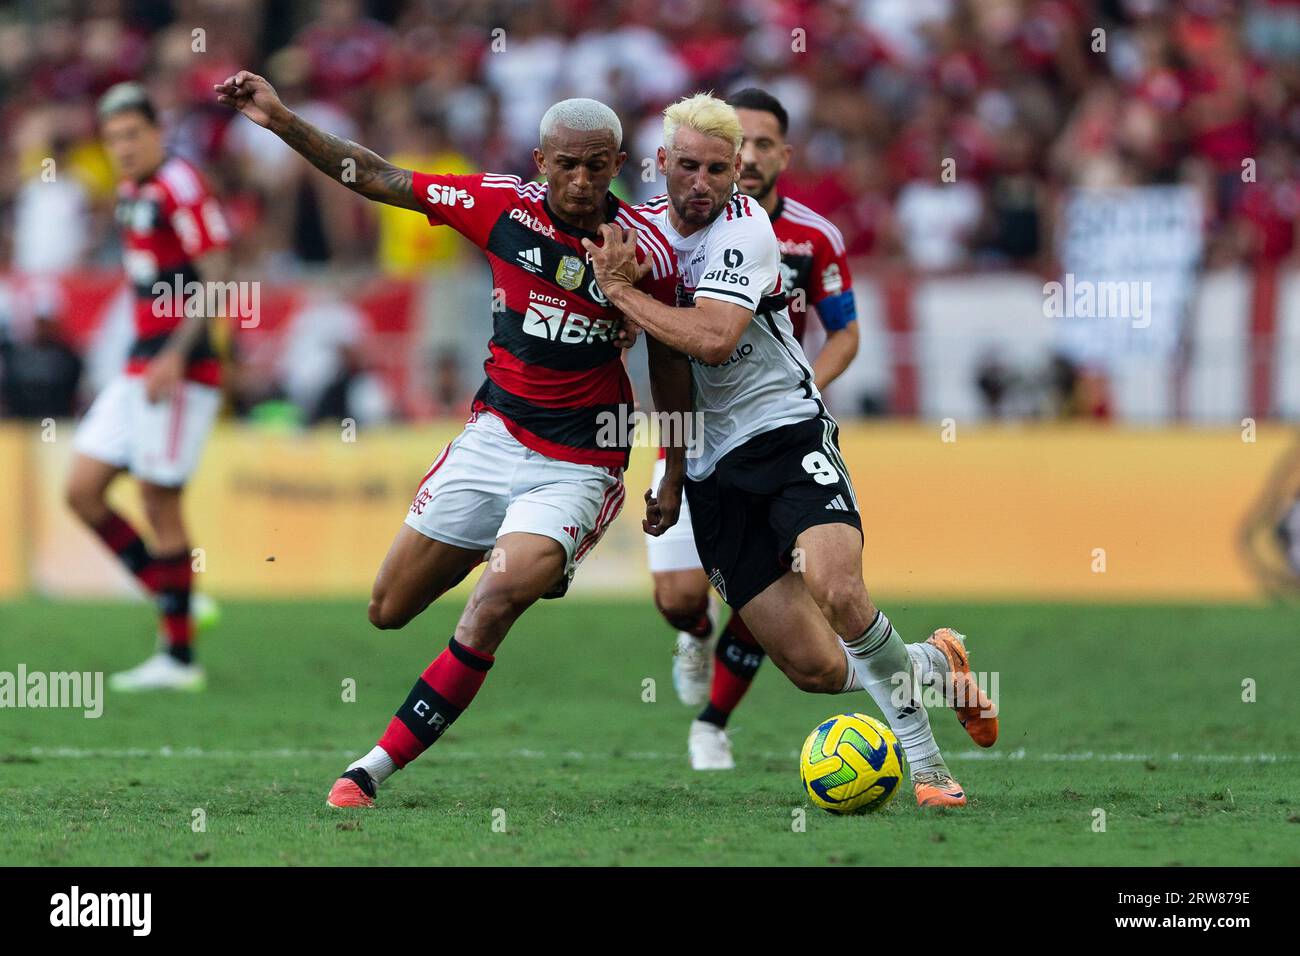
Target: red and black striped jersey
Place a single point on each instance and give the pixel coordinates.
(168, 221)
(812, 259)
(554, 375)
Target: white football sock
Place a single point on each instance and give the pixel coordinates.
(880, 658)
(377, 763)
(851, 682)
(929, 663)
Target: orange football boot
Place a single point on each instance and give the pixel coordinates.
(354, 789)
(937, 788)
(976, 713)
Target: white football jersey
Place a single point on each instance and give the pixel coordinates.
(767, 382)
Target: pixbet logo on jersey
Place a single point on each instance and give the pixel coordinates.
(523, 217)
(448, 196)
(548, 317)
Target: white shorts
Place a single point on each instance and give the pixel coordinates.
(486, 484)
(157, 442)
(674, 550)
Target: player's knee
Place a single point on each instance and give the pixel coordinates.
(85, 501)
(386, 614)
(845, 598)
(497, 609)
(681, 608)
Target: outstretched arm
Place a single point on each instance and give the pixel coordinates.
(360, 169)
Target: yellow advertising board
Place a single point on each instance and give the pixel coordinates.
(1036, 512)
(14, 475)
(1051, 512)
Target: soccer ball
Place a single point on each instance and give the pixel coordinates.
(851, 763)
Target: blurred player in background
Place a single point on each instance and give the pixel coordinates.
(775, 517)
(154, 418)
(1270, 534)
(814, 274)
(534, 479)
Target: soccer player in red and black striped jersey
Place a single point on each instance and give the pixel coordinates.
(153, 420)
(536, 476)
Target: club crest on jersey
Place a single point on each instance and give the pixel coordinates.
(569, 273)
(597, 296)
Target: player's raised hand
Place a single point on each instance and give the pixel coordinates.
(615, 258)
(253, 96)
(661, 512)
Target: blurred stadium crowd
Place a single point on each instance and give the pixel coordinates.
(1016, 92)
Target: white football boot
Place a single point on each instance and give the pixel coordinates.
(710, 749)
(160, 672)
(693, 668)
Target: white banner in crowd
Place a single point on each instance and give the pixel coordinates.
(1129, 261)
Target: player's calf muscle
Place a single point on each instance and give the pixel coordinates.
(790, 627)
(162, 509)
(489, 616)
(529, 566)
(816, 670)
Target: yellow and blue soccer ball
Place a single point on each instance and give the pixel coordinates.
(851, 763)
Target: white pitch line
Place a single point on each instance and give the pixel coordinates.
(443, 753)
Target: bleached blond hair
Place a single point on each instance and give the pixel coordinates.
(706, 114)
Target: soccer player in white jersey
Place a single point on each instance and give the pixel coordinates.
(775, 517)
(717, 670)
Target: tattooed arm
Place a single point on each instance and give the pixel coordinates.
(360, 169)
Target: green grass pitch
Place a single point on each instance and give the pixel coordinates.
(1134, 711)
